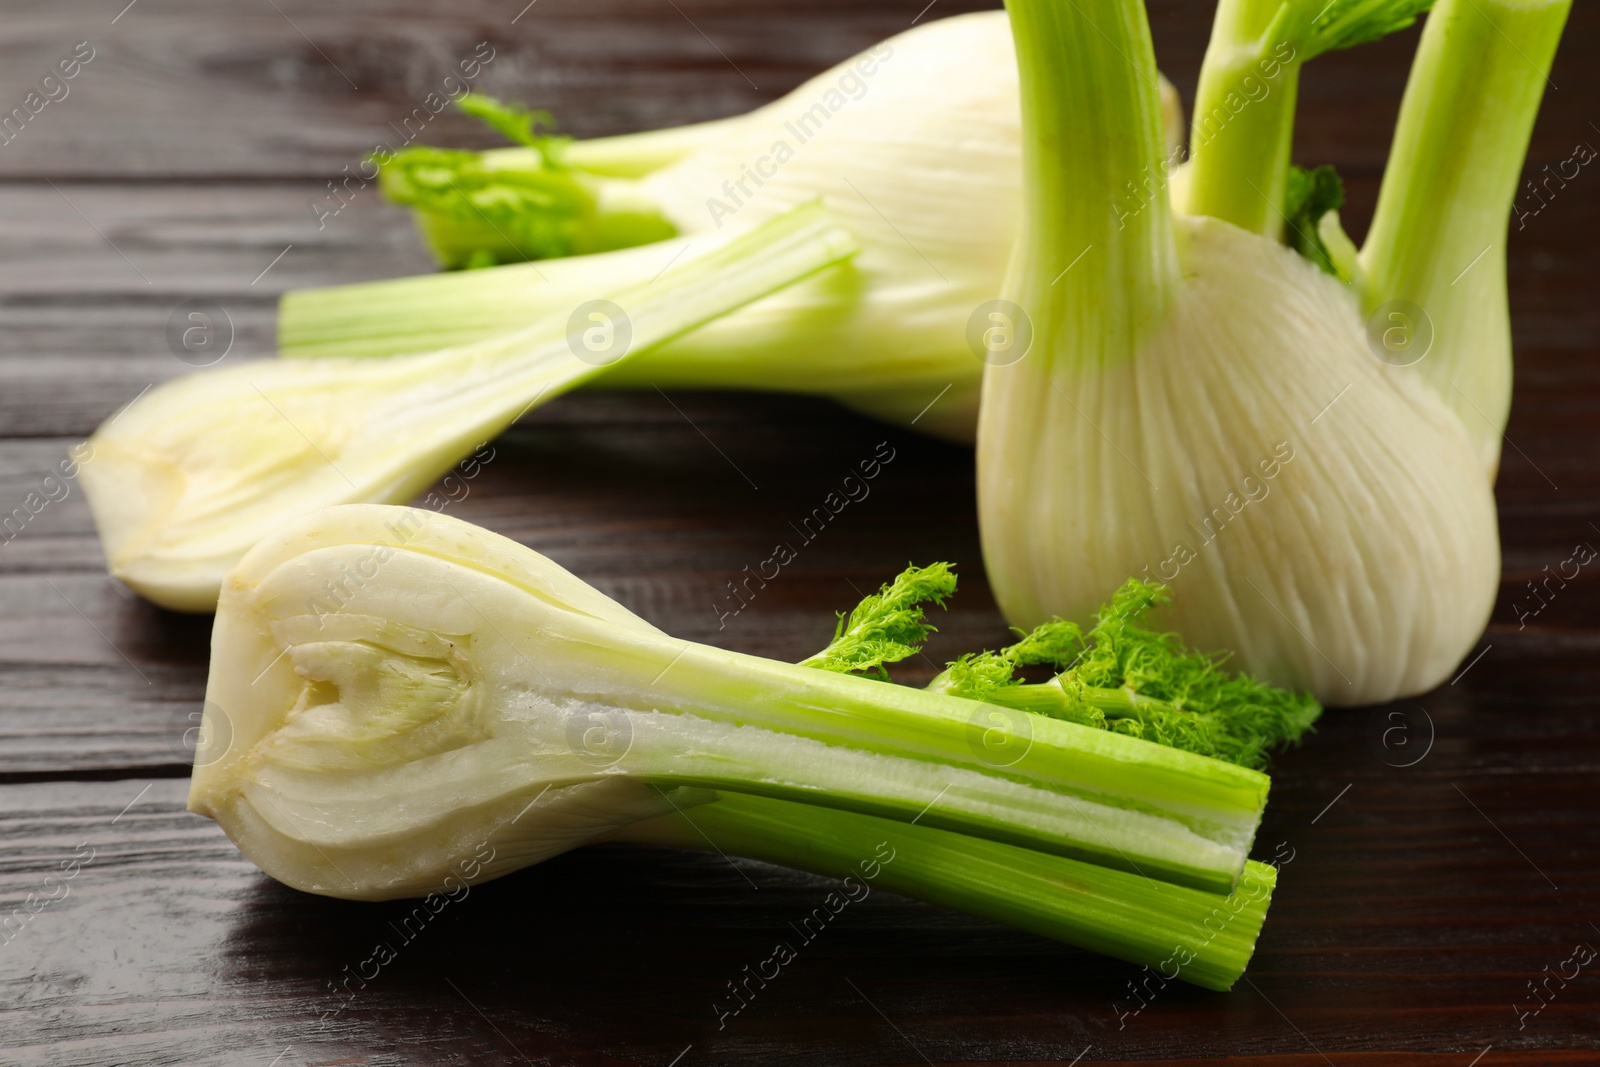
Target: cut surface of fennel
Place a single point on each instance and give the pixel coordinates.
(185, 479)
(389, 686)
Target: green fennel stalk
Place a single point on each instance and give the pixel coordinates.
(1244, 111)
(1206, 938)
(1438, 238)
(1091, 119)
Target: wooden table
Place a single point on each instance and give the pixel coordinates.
(1421, 899)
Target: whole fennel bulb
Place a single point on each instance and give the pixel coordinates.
(912, 146)
(1202, 407)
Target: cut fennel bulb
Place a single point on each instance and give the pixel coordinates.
(1205, 408)
(913, 147)
(390, 686)
(187, 478)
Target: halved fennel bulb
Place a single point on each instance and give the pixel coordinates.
(390, 685)
(192, 474)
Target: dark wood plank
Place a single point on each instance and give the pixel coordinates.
(165, 938)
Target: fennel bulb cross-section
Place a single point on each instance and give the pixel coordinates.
(1205, 408)
(389, 685)
(189, 476)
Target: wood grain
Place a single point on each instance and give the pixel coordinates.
(1420, 899)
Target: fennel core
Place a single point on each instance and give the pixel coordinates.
(1183, 345)
(468, 690)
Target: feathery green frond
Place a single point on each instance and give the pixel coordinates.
(887, 626)
(1347, 23)
(1131, 680)
(517, 124)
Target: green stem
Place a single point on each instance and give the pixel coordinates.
(1200, 937)
(1243, 130)
(1438, 238)
(788, 345)
(976, 768)
(1093, 176)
